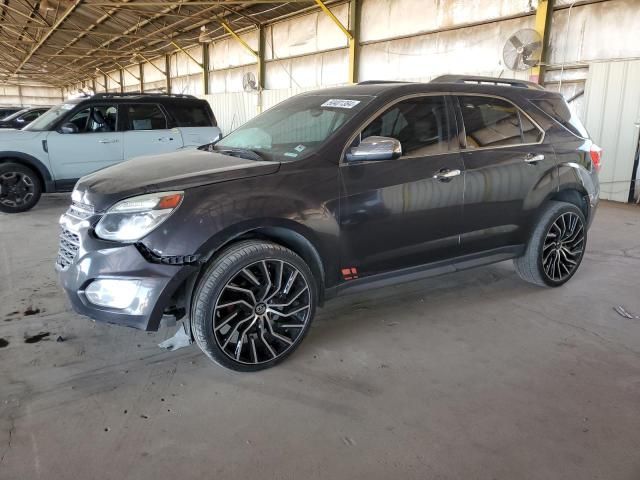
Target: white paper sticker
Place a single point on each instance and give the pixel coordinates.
(337, 103)
(300, 148)
(290, 154)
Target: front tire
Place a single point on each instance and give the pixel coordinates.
(253, 306)
(556, 246)
(20, 188)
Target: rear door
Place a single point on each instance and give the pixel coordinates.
(509, 171)
(147, 131)
(403, 212)
(96, 144)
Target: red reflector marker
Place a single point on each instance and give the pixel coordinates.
(596, 156)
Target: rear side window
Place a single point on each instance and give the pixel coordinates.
(146, 117)
(558, 109)
(191, 115)
(491, 122)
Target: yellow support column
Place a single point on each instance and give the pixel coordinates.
(544, 16)
(350, 34)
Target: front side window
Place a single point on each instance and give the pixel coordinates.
(96, 119)
(31, 116)
(146, 117)
(491, 122)
(420, 124)
(294, 128)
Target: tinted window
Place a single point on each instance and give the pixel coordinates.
(558, 109)
(420, 124)
(99, 118)
(491, 122)
(31, 116)
(146, 117)
(191, 115)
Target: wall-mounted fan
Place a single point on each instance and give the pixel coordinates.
(522, 50)
(249, 82)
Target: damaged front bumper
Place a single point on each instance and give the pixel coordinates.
(114, 282)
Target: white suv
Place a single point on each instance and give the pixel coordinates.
(83, 135)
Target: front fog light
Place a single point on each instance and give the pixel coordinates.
(113, 293)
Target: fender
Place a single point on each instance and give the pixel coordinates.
(267, 227)
(33, 162)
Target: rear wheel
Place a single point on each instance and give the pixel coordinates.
(556, 247)
(253, 306)
(20, 188)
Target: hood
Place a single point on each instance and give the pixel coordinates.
(170, 171)
(10, 137)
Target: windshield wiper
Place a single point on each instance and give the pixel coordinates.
(239, 152)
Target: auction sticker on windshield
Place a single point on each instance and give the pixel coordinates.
(337, 103)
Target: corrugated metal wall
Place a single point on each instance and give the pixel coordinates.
(612, 113)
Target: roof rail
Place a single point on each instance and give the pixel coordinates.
(140, 94)
(505, 82)
(377, 82)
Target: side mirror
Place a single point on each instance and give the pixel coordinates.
(375, 148)
(69, 128)
(217, 139)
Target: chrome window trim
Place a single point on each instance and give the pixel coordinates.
(520, 112)
(460, 149)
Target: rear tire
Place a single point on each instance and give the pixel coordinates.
(253, 306)
(556, 247)
(20, 188)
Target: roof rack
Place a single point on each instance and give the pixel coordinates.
(504, 82)
(141, 94)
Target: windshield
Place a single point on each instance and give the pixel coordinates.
(47, 119)
(294, 128)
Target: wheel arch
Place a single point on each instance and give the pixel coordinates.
(38, 167)
(289, 234)
(575, 195)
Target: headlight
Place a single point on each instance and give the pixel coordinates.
(133, 218)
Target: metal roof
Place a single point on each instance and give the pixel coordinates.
(58, 42)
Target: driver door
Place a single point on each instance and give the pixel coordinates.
(407, 211)
(96, 144)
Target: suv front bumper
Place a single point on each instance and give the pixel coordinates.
(84, 259)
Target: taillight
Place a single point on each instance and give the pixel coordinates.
(596, 156)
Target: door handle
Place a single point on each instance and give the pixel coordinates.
(104, 140)
(531, 158)
(446, 175)
(165, 139)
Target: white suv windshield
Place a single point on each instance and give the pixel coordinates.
(46, 120)
(294, 128)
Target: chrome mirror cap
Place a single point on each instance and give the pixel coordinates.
(375, 148)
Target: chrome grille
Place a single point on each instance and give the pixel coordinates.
(68, 249)
(80, 210)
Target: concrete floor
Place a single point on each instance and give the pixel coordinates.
(475, 375)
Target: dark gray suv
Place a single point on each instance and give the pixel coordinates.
(326, 193)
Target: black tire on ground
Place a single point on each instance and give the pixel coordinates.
(543, 242)
(228, 315)
(20, 188)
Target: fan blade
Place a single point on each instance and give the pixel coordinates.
(534, 46)
(515, 41)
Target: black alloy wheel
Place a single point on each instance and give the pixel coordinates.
(556, 246)
(563, 246)
(20, 188)
(253, 305)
